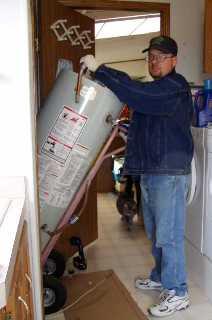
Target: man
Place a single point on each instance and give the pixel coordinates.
(160, 150)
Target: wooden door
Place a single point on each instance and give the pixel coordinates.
(66, 34)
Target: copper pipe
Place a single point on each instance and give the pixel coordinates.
(82, 71)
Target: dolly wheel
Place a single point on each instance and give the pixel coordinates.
(55, 264)
(55, 294)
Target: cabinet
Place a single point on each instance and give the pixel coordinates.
(19, 304)
(207, 37)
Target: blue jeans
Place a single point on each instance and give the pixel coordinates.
(164, 208)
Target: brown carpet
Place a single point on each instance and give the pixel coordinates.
(99, 296)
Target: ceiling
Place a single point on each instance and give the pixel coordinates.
(108, 14)
(113, 24)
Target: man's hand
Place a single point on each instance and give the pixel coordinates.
(90, 62)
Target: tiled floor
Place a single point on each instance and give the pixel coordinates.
(128, 254)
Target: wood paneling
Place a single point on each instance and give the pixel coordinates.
(115, 5)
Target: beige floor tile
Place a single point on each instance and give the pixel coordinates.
(201, 311)
(144, 247)
(134, 272)
(103, 243)
(100, 253)
(146, 299)
(119, 235)
(128, 261)
(121, 273)
(197, 297)
(125, 242)
(127, 250)
(105, 263)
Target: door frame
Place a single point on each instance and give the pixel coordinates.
(153, 7)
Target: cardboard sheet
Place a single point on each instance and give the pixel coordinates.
(99, 295)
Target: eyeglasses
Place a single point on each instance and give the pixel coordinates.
(157, 57)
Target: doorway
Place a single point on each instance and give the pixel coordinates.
(87, 226)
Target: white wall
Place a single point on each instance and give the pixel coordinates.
(187, 27)
(17, 120)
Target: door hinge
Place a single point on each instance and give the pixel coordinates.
(36, 45)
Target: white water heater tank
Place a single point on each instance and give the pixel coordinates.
(70, 136)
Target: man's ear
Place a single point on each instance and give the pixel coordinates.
(174, 61)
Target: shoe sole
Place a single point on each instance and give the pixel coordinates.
(182, 307)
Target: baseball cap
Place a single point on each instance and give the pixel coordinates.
(164, 44)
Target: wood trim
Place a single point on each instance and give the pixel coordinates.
(114, 5)
(165, 21)
(163, 8)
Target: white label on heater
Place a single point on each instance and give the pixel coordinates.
(64, 134)
(49, 171)
(70, 178)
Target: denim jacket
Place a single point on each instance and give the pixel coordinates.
(159, 138)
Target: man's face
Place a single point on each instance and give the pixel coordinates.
(160, 64)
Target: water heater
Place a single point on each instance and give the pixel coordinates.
(70, 135)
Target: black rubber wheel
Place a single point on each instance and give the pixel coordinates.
(55, 294)
(55, 264)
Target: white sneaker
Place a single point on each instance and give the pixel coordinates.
(147, 284)
(169, 303)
